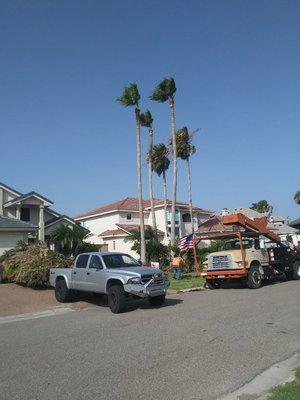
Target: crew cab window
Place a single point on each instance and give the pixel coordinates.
(235, 244)
(82, 261)
(95, 262)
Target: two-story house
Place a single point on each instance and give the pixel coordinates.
(33, 211)
(112, 223)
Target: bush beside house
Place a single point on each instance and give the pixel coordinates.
(29, 265)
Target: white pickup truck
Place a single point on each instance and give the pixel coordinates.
(116, 274)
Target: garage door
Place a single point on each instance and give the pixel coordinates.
(9, 240)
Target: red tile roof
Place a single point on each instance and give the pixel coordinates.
(124, 229)
(131, 204)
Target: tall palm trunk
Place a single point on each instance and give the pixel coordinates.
(139, 185)
(190, 191)
(150, 179)
(174, 151)
(165, 202)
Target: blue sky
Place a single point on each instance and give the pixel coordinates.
(236, 66)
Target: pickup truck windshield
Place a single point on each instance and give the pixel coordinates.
(120, 261)
(235, 244)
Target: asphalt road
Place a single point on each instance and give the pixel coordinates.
(198, 346)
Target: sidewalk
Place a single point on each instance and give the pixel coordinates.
(16, 300)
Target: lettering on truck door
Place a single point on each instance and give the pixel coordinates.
(96, 275)
(79, 272)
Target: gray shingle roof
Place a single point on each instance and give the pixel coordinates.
(23, 196)
(15, 224)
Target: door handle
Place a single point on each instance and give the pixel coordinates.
(88, 273)
(74, 272)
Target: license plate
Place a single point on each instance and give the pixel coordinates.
(221, 276)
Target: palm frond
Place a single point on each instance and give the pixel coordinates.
(164, 90)
(160, 159)
(146, 119)
(184, 145)
(297, 197)
(130, 96)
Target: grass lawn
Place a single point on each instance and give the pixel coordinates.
(289, 391)
(187, 281)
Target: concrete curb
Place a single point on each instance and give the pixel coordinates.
(260, 386)
(195, 289)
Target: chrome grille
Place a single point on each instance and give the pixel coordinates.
(220, 262)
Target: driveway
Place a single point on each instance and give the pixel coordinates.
(198, 346)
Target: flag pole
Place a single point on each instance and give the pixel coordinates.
(197, 266)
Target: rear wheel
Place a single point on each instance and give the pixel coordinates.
(295, 272)
(254, 278)
(116, 299)
(157, 300)
(212, 284)
(62, 293)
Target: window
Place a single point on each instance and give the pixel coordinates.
(82, 261)
(128, 217)
(114, 245)
(176, 217)
(119, 261)
(186, 217)
(25, 214)
(95, 262)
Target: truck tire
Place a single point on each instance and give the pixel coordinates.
(157, 300)
(254, 278)
(62, 293)
(295, 272)
(116, 299)
(212, 284)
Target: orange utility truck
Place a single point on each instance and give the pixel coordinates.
(251, 251)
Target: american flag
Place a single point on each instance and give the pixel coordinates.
(186, 243)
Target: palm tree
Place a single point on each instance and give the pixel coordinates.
(63, 236)
(131, 97)
(147, 120)
(297, 197)
(184, 150)
(160, 164)
(164, 91)
(79, 235)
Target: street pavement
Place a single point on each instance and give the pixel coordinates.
(198, 346)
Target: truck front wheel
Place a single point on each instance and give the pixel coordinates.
(295, 271)
(157, 300)
(116, 299)
(254, 278)
(62, 293)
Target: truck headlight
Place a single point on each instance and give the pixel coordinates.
(240, 264)
(134, 281)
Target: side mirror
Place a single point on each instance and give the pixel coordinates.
(262, 244)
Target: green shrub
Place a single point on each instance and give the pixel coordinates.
(30, 265)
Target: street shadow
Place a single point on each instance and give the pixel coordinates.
(131, 304)
(240, 284)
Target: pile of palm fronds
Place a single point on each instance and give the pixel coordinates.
(29, 265)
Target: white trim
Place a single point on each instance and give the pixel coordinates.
(105, 213)
(10, 190)
(59, 219)
(113, 236)
(19, 201)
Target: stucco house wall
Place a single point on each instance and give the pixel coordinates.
(97, 224)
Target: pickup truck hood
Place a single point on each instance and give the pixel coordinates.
(134, 271)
